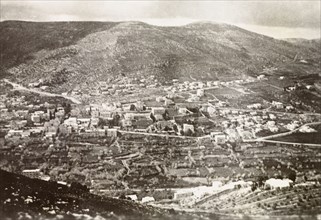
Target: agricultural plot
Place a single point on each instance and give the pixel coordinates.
(310, 138)
(225, 93)
(297, 200)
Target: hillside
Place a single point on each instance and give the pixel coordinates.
(299, 202)
(19, 40)
(83, 53)
(313, 44)
(38, 198)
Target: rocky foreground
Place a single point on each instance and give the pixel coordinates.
(25, 198)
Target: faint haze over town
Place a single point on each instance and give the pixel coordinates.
(279, 19)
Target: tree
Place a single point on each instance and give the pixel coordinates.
(102, 123)
(153, 117)
(189, 132)
(51, 116)
(166, 116)
(16, 93)
(29, 122)
(67, 108)
(167, 128)
(175, 128)
(254, 187)
(292, 176)
(116, 119)
(132, 107)
(79, 188)
(261, 180)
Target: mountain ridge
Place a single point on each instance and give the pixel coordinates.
(111, 51)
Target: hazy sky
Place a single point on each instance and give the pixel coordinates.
(279, 19)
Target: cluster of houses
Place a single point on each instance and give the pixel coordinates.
(107, 119)
(110, 89)
(138, 117)
(25, 119)
(244, 125)
(298, 86)
(191, 196)
(274, 104)
(11, 102)
(200, 86)
(121, 86)
(48, 119)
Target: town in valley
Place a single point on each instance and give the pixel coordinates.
(156, 110)
(214, 146)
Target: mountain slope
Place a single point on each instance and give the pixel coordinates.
(138, 50)
(19, 39)
(313, 44)
(48, 199)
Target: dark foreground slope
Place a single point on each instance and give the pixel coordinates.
(21, 196)
(83, 53)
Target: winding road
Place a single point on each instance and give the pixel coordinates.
(43, 93)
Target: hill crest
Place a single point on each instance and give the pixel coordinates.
(108, 51)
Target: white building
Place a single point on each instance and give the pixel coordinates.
(187, 127)
(278, 183)
(200, 92)
(148, 199)
(158, 110)
(260, 77)
(277, 105)
(111, 132)
(255, 106)
(72, 121)
(182, 195)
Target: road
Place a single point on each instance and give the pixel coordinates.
(43, 93)
(215, 98)
(287, 133)
(266, 138)
(211, 120)
(276, 87)
(291, 143)
(159, 135)
(137, 154)
(192, 78)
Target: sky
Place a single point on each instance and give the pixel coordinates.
(279, 19)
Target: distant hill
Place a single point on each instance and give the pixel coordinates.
(22, 196)
(313, 44)
(82, 53)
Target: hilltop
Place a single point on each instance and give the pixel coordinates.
(69, 54)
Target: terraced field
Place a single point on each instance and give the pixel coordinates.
(296, 200)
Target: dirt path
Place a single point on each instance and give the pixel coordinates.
(43, 93)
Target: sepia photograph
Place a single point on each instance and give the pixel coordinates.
(160, 109)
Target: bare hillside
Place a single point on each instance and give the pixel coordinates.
(81, 53)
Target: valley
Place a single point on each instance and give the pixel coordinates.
(205, 120)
